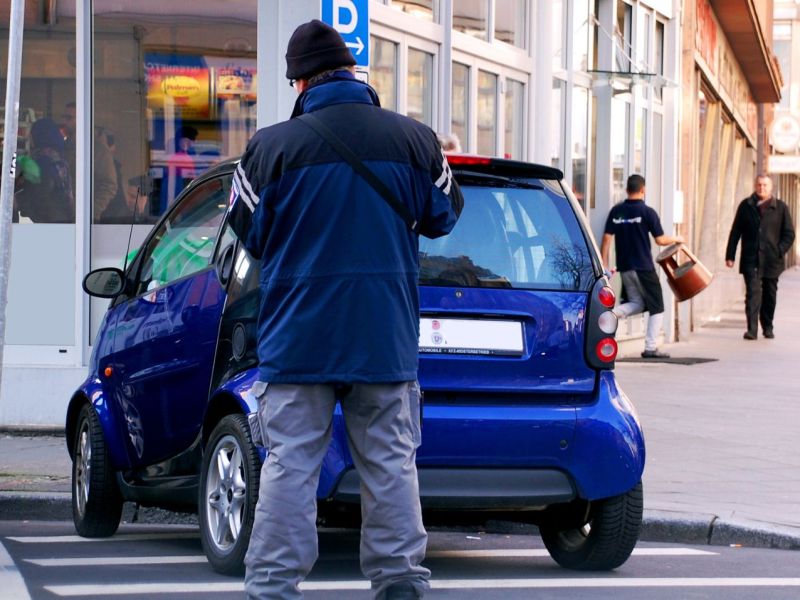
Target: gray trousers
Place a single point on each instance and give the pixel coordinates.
(636, 305)
(383, 433)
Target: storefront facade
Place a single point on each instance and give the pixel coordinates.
(729, 80)
(146, 94)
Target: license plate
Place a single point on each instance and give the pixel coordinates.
(470, 336)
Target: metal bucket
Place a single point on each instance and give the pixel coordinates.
(688, 278)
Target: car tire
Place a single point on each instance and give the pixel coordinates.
(96, 499)
(228, 494)
(606, 540)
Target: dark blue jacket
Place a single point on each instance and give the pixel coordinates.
(339, 267)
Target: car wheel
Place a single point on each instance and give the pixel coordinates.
(96, 499)
(228, 494)
(605, 541)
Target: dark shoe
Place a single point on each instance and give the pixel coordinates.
(769, 334)
(654, 354)
(402, 590)
(750, 336)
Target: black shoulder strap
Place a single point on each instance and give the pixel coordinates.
(359, 167)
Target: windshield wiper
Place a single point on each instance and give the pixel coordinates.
(498, 180)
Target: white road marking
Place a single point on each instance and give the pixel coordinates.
(541, 552)
(107, 590)
(134, 537)
(101, 561)
(11, 582)
(107, 561)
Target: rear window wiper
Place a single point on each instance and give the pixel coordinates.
(498, 180)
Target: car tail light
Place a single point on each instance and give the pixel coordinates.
(465, 159)
(607, 321)
(607, 297)
(606, 349)
(600, 348)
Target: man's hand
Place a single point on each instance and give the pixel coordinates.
(729, 264)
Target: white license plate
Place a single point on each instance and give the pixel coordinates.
(470, 336)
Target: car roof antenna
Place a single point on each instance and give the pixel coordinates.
(133, 222)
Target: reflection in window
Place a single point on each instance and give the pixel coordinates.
(623, 50)
(423, 9)
(619, 147)
(472, 17)
(515, 115)
(44, 189)
(420, 86)
(174, 106)
(509, 22)
(383, 71)
(658, 57)
(580, 140)
(580, 40)
(460, 108)
(640, 141)
(557, 132)
(557, 34)
(184, 243)
(506, 237)
(487, 113)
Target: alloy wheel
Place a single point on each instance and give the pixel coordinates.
(225, 493)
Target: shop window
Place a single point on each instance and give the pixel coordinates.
(383, 71)
(580, 40)
(472, 17)
(620, 111)
(487, 113)
(640, 141)
(557, 34)
(420, 86)
(623, 50)
(422, 9)
(515, 116)
(509, 22)
(557, 133)
(42, 275)
(580, 140)
(174, 92)
(459, 124)
(658, 57)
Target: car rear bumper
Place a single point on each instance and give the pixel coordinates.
(479, 488)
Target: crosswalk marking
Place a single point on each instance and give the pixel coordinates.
(109, 561)
(101, 561)
(108, 590)
(11, 581)
(541, 552)
(133, 537)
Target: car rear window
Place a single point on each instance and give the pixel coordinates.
(510, 237)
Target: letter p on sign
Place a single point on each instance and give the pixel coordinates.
(351, 19)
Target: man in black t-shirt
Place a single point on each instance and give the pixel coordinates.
(629, 226)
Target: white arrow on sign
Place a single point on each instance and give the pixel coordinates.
(357, 44)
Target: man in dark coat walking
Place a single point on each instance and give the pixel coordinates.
(765, 227)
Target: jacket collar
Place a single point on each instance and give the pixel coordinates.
(771, 203)
(341, 88)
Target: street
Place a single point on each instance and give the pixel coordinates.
(147, 561)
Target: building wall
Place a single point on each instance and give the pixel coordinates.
(518, 79)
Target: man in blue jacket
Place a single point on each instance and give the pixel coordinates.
(339, 316)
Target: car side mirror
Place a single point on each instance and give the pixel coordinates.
(108, 282)
(224, 263)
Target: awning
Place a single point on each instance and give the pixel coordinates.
(744, 30)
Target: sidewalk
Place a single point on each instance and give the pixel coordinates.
(723, 461)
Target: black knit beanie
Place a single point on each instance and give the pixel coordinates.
(313, 48)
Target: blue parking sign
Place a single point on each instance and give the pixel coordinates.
(351, 19)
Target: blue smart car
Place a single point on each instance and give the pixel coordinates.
(522, 418)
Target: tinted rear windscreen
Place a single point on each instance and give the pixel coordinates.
(510, 237)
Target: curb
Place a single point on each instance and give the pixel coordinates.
(657, 525)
